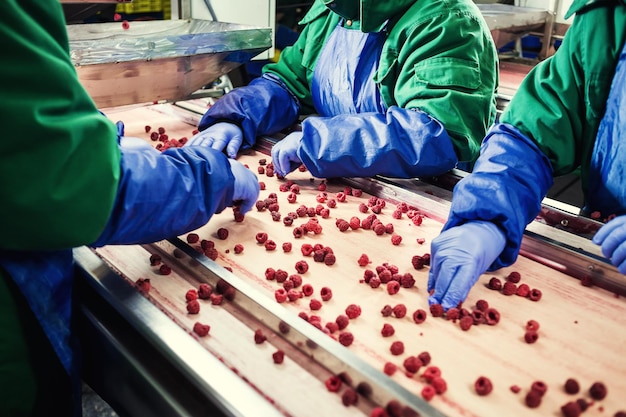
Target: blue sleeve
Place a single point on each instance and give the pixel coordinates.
(163, 195)
(403, 143)
(510, 179)
(263, 107)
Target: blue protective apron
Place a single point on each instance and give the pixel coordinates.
(343, 76)
(607, 176)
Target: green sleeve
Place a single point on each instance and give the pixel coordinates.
(445, 64)
(60, 161)
(562, 100)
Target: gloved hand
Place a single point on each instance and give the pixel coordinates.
(247, 188)
(285, 154)
(612, 238)
(459, 256)
(220, 136)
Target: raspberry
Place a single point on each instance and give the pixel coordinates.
(407, 280)
(216, 299)
(571, 409)
(387, 330)
(597, 391)
(419, 316)
(424, 357)
(533, 399)
(222, 233)
(523, 290)
(204, 291)
(534, 295)
(193, 238)
(396, 239)
(514, 277)
(346, 338)
(353, 311)
(332, 326)
(278, 356)
(399, 311)
(492, 316)
(509, 288)
(287, 247)
(307, 290)
(412, 364)
(261, 237)
(439, 384)
(482, 305)
(393, 287)
(342, 321)
(531, 336)
(431, 373)
(193, 307)
(302, 267)
(281, 295)
(436, 310)
(390, 368)
(281, 276)
(143, 285)
(428, 392)
(349, 397)
(355, 223)
(483, 386)
(155, 259)
(495, 284)
(452, 314)
(315, 304)
(238, 248)
(515, 389)
(295, 279)
(532, 325)
(191, 295)
(259, 337)
(572, 386)
(397, 348)
(466, 322)
(333, 383)
(165, 269)
(540, 387)
(386, 311)
(293, 295)
(326, 293)
(330, 259)
(201, 329)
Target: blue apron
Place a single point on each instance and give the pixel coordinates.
(343, 76)
(607, 176)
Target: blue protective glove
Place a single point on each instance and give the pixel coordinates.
(459, 256)
(220, 136)
(129, 142)
(612, 238)
(165, 194)
(247, 187)
(285, 154)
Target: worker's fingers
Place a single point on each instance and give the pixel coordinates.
(203, 138)
(611, 236)
(233, 146)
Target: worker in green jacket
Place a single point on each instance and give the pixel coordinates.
(68, 179)
(401, 88)
(568, 113)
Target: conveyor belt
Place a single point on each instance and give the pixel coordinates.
(574, 319)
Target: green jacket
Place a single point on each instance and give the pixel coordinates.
(439, 57)
(562, 100)
(57, 190)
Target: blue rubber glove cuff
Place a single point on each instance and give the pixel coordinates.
(612, 238)
(402, 143)
(263, 107)
(510, 178)
(162, 195)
